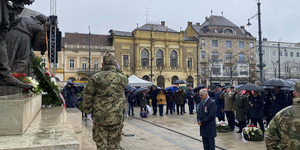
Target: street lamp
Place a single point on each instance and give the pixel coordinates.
(151, 74)
(260, 41)
(198, 82)
(279, 58)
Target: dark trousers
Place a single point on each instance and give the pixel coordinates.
(230, 118)
(208, 143)
(221, 119)
(154, 105)
(183, 107)
(191, 106)
(260, 122)
(161, 109)
(131, 105)
(268, 118)
(169, 107)
(177, 107)
(242, 124)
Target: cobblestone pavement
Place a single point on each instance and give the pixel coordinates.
(175, 132)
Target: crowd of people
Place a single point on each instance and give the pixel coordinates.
(247, 107)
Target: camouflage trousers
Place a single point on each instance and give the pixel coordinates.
(107, 137)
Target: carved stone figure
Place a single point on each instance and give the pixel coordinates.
(8, 10)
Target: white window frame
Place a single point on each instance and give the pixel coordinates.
(71, 61)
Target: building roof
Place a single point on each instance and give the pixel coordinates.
(218, 21)
(123, 33)
(82, 39)
(156, 27)
(217, 24)
(187, 38)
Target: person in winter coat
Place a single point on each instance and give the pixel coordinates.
(70, 94)
(170, 99)
(256, 110)
(197, 100)
(190, 96)
(229, 109)
(143, 97)
(249, 96)
(131, 102)
(290, 98)
(179, 99)
(267, 105)
(279, 101)
(220, 103)
(241, 104)
(161, 99)
(153, 94)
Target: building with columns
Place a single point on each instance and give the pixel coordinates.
(226, 52)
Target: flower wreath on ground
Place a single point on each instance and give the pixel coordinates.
(252, 133)
(47, 83)
(222, 126)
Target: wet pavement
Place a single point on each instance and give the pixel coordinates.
(175, 132)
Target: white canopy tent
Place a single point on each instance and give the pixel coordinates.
(135, 81)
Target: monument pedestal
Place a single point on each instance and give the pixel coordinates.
(50, 130)
(10, 90)
(17, 112)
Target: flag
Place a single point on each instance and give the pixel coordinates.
(202, 78)
(256, 70)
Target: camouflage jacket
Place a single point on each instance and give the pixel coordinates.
(284, 129)
(104, 97)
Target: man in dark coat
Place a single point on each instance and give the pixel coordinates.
(278, 102)
(241, 104)
(267, 105)
(153, 94)
(220, 103)
(256, 110)
(190, 96)
(206, 118)
(70, 94)
(179, 99)
(170, 99)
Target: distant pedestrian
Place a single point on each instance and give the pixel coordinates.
(206, 118)
(197, 100)
(256, 110)
(283, 132)
(267, 105)
(170, 99)
(279, 101)
(220, 103)
(144, 97)
(190, 96)
(241, 104)
(229, 109)
(131, 102)
(161, 99)
(179, 98)
(153, 94)
(70, 94)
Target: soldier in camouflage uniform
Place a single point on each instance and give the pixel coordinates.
(105, 99)
(284, 128)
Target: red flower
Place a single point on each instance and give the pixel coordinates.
(252, 126)
(47, 73)
(46, 68)
(52, 75)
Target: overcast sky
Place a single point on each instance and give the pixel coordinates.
(280, 18)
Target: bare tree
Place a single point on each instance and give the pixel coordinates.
(290, 68)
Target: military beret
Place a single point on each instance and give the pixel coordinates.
(108, 59)
(297, 86)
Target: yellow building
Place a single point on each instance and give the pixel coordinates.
(226, 52)
(73, 60)
(173, 54)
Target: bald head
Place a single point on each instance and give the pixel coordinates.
(203, 94)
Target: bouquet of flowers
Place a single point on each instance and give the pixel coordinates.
(252, 133)
(28, 80)
(222, 126)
